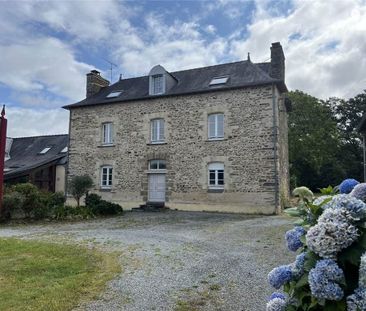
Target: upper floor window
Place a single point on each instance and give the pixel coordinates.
(107, 129)
(216, 126)
(157, 86)
(106, 177)
(157, 131)
(216, 175)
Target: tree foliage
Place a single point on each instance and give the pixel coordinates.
(324, 146)
(79, 186)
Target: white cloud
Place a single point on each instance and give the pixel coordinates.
(177, 46)
(45, 64)
(331, 72)
(30, 122)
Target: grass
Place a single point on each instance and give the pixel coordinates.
(43, 276)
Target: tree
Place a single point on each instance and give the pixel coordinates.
(348, 115)
(313, 143)
(79, 186)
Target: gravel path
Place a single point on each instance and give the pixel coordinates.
(179, 260)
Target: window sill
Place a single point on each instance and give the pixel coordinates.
(106, 145)
(216, 139)
(217, 190)
(157, 143)
(105, 189)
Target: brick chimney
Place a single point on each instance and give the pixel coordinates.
(94, 83)
(277, 62)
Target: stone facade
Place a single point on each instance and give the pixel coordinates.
(253, 150)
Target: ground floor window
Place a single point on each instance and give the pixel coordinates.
(106, 177)
(216, 175)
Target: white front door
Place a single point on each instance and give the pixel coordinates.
(157, 187)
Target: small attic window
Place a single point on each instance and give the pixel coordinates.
(64, 150)
(114, 94)
(45, 150)
(219, 80)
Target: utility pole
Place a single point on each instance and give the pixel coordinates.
(3, 126)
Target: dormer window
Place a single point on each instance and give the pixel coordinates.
(219, 80)
(114, 94)
(160, 81)
(157, 84)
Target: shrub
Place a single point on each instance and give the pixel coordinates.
(12, 201)
(101, 207)
(31, 195)
(79, 186)
(330, 271)
(63, 212)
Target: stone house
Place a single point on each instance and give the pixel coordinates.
(211, 138)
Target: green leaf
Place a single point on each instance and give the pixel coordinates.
(302, 281)
(311, 259)
(293, 212)
(362, 240)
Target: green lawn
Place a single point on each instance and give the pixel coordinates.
(43, 276)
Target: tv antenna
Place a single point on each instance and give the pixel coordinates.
(111, 67)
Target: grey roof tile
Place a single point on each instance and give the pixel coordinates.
(24, 153)
(241, 74)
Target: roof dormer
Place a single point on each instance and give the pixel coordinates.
(160, 81)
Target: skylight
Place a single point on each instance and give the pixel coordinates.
(45, 150)
(219, 80)
(64, 150)
(114, 94)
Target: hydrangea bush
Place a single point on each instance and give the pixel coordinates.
(329, 272)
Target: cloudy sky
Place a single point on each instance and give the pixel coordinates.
(46, 48)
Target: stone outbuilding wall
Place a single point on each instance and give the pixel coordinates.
(254, 149)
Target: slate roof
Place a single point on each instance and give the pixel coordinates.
(24, 153)
(241, 74)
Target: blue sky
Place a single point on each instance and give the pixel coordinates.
(47, 48)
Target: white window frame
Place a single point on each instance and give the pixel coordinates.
(154, 79)
(219, 80)
(157, 127)
(107, 133)
(216, 168)
(214, 118)
(161, 165)
(106, 170)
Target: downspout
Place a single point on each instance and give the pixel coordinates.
(68, 157)
(275, 158)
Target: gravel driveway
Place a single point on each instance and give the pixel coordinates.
(179, 260)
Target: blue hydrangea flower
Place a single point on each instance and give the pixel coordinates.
(362, 274)
(347, 185)
(333, 233)
(355, 206)
(293, 238)
(357, 301)
(298, 266)
(277, 295)
(279, 276)
(323, 280)
(359, 192)
(276, 304)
